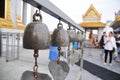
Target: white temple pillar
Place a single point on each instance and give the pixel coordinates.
(13, 12)
(33, 9)
(24, 14)
(100, 32)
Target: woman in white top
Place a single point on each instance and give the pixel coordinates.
(110, 43)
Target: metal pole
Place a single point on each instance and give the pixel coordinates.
(11, 45)
(24, 14)
(14, 45)
(0, 44)
(7, 46)
(81, 63)
(18, 44)
(79, 77)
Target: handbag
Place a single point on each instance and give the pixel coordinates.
(113, 50)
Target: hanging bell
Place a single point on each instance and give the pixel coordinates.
(60, 36)
(36, 36)
(60, 69)
(71, 34)
(78, 37)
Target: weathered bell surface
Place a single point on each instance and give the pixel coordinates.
(71, 34)
(36, 36)
(28, 75)
(78, 37)
(60, 36)
(59, 71)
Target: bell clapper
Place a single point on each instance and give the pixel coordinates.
(58, 61)
(35, 68)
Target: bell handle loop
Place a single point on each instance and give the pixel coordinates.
(69, 27)
(59, 49)
(37, 14)
(74, 29)
(78, 32)
(59, 24)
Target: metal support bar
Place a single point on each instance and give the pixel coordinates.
(81, 64)
(18, 45)
(48, 7)
(0, 43)
(79, 77)
(7, 47)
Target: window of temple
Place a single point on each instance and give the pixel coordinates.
(2, 8)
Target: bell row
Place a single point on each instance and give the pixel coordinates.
(37, 36)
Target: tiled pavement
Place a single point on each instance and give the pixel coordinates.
(94, 57)
(13, 70)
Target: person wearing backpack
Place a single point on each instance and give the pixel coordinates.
(102, 43)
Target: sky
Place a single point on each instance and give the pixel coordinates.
(76, 8)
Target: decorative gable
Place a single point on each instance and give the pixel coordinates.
(92, 13)
(91, 19)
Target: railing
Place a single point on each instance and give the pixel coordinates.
(48, 7)
(51, 9)
(10, 45)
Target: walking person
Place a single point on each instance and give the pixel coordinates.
(117, 37)
(110, 45)
(102, 43)
(118, 42)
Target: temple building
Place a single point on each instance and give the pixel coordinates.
(15, 15)
(116, 23)
(92, 21)
(10, 15)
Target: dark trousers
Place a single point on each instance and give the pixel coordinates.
(110, 55)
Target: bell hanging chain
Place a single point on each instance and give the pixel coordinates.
(68, 49)
(35, 68)
(58, 61)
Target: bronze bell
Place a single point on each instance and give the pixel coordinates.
(71, 34)
(60, 36)
(36, 36)
(78, 37)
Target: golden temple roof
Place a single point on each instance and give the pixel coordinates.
(116, 22)
(91, 19)
(92, 24)
(92, 13)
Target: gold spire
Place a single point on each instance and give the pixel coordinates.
(91, 19)
(92, 13)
